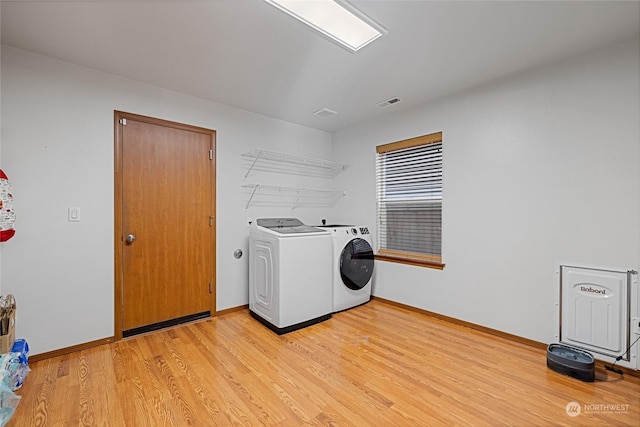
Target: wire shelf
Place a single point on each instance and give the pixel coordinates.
(272, 161)
(272, 195)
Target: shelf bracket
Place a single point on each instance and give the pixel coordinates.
(300, 193)
(252, 165)
(251, 197)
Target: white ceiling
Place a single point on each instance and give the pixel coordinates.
(249, 55)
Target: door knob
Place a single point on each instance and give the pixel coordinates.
(131, 238)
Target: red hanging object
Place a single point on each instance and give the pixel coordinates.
(7, 215)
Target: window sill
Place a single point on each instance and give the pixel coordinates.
(410, 259)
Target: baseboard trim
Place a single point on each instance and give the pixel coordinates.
(459, 322)
(72, 349)
(494, 332)
(490, 331)
(231, 310)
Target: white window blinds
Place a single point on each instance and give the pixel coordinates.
(409, 196)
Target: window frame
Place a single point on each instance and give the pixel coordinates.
(398, 256)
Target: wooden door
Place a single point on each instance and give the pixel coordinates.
(165, 234)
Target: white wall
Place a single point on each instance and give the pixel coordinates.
(539, 169)
(57, 148)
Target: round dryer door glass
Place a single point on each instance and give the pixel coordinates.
(356, 264)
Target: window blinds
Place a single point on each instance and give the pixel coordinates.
(409, 196)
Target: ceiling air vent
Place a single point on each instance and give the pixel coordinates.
(325, 112)
(388, 102)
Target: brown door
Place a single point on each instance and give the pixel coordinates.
(165, 234)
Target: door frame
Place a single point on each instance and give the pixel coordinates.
(118, 209)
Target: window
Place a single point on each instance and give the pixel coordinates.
(409, 200)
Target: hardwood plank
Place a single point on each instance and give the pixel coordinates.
(377, 364)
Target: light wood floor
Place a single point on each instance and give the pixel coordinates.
(375, 365)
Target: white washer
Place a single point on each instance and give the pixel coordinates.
(289, 278)
(352, 266)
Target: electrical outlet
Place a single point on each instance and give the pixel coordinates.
(635, 322)
(73, 214)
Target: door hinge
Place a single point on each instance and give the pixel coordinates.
(210, 220)
(123, 122)
(211, 154)
(210, 287)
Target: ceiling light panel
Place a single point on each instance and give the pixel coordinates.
(338, 21)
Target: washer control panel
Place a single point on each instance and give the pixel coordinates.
(361, 230)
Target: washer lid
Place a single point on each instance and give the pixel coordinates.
(287, 226)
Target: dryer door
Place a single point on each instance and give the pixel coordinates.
(356, 264)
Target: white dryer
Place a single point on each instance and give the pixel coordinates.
(352, 266)
(289, 274)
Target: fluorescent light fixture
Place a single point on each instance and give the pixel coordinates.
(336, 20)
